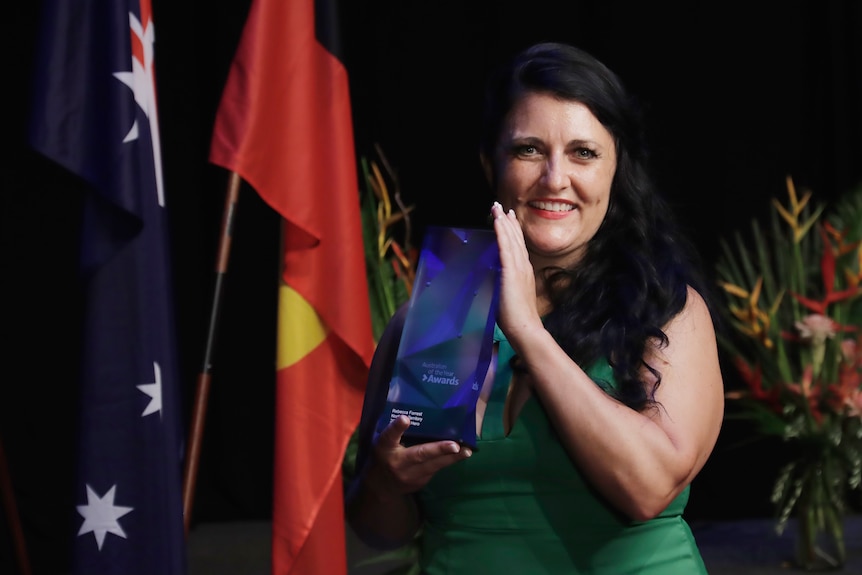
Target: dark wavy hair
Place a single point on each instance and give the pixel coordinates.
(635, 271)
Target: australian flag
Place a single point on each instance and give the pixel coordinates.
(94, 113)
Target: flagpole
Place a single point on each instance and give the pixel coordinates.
(14, 521)
(204, 377)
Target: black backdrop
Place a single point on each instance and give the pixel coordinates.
(736, 99)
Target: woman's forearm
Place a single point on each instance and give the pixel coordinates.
(380, 518)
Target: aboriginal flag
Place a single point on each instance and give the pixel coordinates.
(284, 125)
(94, 113)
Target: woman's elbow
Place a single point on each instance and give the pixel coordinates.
(649, 507)
(651, 500)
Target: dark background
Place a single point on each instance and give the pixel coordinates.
(735, 99)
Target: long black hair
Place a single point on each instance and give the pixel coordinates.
(634, 274)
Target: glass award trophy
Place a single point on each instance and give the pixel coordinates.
(447, 340)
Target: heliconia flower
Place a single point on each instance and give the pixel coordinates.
(808, 390)
(753, 378)
(404, 266)
(753, 321)
(734, 289)
(840, 247)
(827, 269)
(792, 216)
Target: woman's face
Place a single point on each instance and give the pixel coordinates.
(555, 163)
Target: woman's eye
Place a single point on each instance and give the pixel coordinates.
(526, 150)
(585, 153)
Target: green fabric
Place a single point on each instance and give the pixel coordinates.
(520, 506)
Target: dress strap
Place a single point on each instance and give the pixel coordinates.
(492, 422)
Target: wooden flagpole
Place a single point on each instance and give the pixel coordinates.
(6, 490)
(196, 429)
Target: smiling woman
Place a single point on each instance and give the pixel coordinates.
(783, 95)
(604, 398)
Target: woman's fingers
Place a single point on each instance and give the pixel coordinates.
(436, 455)
(409, 468)
(390, 437)
(517, 287)
(510, 238)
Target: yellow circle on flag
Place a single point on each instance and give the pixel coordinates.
(300, 329)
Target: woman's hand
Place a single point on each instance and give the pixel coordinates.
(380, 504)
(518, 312)
(398, 470)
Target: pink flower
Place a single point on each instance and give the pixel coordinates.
(817, 328)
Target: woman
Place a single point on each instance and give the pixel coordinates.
(605, 398)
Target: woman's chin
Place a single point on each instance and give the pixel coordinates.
(553, 251)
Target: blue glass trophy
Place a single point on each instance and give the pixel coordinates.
(447, 340)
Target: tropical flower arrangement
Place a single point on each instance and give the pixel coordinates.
(793, 295)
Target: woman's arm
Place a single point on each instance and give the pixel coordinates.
(380, 513)
(640, 461)
(380, 505)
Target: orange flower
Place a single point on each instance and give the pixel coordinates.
(841, 247)
(791, 216)
(753, 321)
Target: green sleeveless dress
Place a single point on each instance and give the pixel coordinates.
(520, 506)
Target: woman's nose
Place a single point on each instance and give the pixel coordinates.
(555, 175)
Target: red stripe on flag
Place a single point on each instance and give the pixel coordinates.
(317, 423)
(284, 125)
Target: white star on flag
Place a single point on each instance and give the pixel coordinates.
(154, 390)
(101, 515)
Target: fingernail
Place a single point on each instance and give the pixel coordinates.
(468, 452)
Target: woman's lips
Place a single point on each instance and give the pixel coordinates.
(551, 209)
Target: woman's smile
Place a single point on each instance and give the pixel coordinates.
(551, 209)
